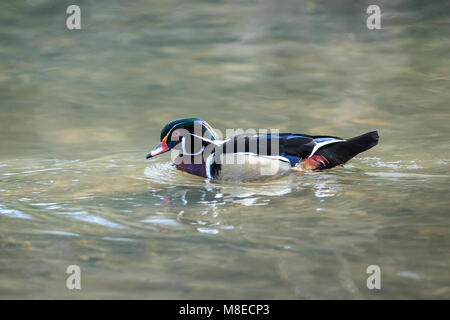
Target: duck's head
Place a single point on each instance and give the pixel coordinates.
(175, 131)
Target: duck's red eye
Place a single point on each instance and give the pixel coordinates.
(176, 133)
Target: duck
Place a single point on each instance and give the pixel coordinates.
(252, 156)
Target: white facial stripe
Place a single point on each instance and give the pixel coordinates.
(209, 128)
(203, 138)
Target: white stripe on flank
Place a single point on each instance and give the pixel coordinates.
(321, 144)
(208, 165)
(280, 158)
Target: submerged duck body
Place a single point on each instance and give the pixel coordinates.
(251, 157)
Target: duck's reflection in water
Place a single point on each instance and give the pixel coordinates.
(185, 199)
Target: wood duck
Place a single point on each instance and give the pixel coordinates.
(250, 157)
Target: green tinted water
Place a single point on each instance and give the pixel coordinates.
(81, 109)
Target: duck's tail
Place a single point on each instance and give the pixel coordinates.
(338, 153)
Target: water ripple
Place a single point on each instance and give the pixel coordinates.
(60, 233)
(13, 213)
(84, 216)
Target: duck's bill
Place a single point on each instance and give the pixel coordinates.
(161, 148)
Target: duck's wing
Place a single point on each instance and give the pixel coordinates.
(302, 151)
(291, 146)
(297, 147)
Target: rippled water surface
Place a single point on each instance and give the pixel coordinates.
(81, 109)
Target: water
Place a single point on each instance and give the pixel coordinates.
(81, 109)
